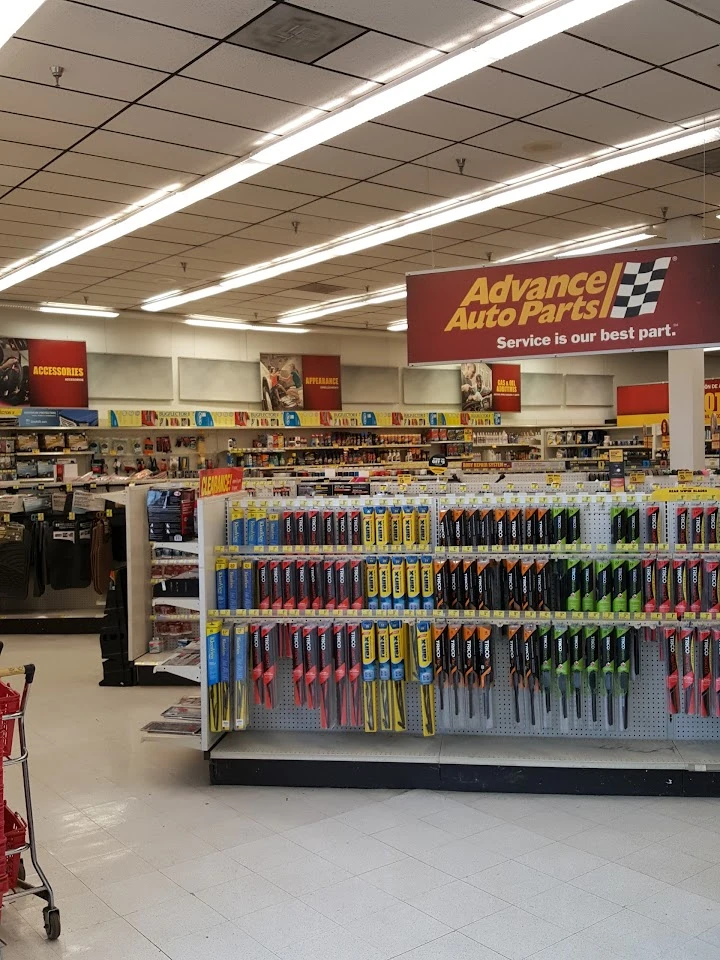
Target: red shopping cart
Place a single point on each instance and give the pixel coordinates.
(18, 835)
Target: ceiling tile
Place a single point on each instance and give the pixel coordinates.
(372, 55)
(434, 182)
(601, 216)
(37, 132)
(572, 63)
(705, 190)
(663, 95)
(43, 100)
(192, 238)
(531, 142)
(233, 66)
(23, 197)
(702, 66)
(105, 78)
(116, 171)
(657, 173)
(223, 210)
(25, 155)
(548, 205)
(213, 18)
(359, 166)
(381, 141)
(707, 7)
(190, 220)
(389, 200)
(512, 96)
(169, 156)
(177, 128)
(84, 187)
(305, 181)
(11, 176)
(422, 21)
(111, 35)
(652, 30)
(651, 202)
(484, 164)
(350, 213)
(68, 221)
(208, 100)
(598, 190)
(606, 123)
(250, 193)
(441, 119)
(18, 228)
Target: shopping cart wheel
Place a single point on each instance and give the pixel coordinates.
(21, 872)
(51, 917)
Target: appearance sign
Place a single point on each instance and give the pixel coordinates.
(647, 300)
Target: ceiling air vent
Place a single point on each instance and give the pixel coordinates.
(295, 33)
(706, 161)
(320, 288)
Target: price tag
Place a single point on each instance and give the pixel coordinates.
(656, 616)
(685, 476)
(108, 512)
(560, 615)
(553, 479)
(513, 615)
(593, 614)
(496, 548)
(454, 614)
(68, 487)
(602, 547)
(71, 516)
(282, 613)
(637, 478)
(545, 614)
(681, 547)
(6, 518)
(314, 548)
(705, 616)
(616, 455)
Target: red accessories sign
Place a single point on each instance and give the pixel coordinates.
(649, 299)
(43, 373)
(214, 483)
(321, 382)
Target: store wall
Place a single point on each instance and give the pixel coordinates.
(142, 361)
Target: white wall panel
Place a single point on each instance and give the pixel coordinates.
(582, 390)
(423, 386)
(369, 385)
(542, 390)
(224, 381)
(117, 376)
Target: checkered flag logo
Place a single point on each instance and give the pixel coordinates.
(639, 289)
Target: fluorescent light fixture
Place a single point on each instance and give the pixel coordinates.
(547, 22)
(555, 249)
(398, 326)
(225, 323)
(711, 349)
(77, 310)
(342, 304)
(13, 14)
(607, 245)
(546, 181)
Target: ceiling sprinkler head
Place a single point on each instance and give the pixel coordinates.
(57, 72)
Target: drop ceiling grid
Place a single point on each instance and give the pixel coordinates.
(625, 65)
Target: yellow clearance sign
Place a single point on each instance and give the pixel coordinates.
(215, 483)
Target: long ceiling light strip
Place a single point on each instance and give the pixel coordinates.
(558, 249)
(76, 309)
(441, 214)
(342, 305)
(13, 14)
(545, 23)
(225, 323)
(626, 241)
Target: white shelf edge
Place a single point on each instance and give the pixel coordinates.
(187, 603)
(183, 546)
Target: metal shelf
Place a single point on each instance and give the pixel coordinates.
(184, 546)
(187, 603)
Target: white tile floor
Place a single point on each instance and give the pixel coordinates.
(151, 863)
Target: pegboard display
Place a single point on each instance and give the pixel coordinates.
(509, 529)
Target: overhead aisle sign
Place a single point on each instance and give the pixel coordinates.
(651, 299)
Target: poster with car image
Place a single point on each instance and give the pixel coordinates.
(281, 383)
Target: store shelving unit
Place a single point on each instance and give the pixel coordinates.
(653, 753)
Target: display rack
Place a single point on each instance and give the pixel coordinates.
(499, 747)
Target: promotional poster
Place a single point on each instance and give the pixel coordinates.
(42, 373)
(649, 299)
(281, 382)
(305, 382)
(485, 386)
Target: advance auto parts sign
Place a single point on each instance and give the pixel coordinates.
(645, 300)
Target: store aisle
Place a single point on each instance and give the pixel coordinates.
(149, 862)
